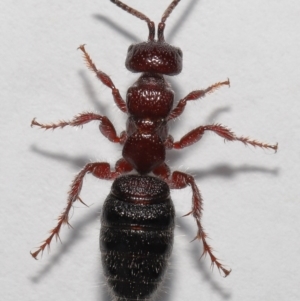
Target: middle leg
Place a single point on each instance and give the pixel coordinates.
(196, 134)
(106, 127)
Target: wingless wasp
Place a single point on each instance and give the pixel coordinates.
(137, 221)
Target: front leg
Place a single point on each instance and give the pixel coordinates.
(106, 127)
(105, 79)
(177, 111)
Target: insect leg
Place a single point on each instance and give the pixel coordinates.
(179, 180)
(105, 79)
(177, 111)
(99, 170)
(196, 134)
(106, 127)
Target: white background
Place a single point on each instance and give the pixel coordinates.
(251, 196)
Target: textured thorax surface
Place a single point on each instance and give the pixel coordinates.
(150, 97)
(149, 102)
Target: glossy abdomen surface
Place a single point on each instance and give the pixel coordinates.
(136, 236)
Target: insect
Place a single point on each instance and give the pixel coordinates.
(138, 215)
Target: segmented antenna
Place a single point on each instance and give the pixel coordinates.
(151, 25)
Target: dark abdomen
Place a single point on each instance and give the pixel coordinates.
(136, 236)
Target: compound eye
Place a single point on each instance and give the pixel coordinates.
(179, 52)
